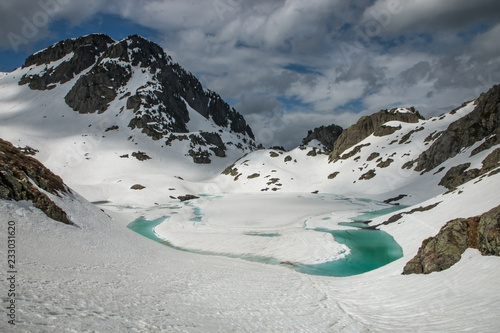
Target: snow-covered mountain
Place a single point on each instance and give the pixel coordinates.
(112, 112)
(392, 153)
(126, 127)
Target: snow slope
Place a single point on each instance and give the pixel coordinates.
(91, 279)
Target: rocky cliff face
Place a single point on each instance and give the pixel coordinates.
(22, 177)
(327, 135)
(81, 53)
(373, 124)
(156, 91)
(483, 123)
(445, 249)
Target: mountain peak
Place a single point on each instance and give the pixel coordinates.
(136, 78)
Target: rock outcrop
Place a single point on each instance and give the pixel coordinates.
(460, 174)
(445, 249)
(22, 177)
(327, 135)
(81, 53)
(483, 123)
(367, 125)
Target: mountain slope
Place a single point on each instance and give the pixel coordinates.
(383, 160)
(107, 115)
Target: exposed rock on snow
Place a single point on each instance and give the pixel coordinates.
(187, 197)
(141, 156)
(18, 172)
(326, 135)
(446, 248)
(460, 174)
(75, 55)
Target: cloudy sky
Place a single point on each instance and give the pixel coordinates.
(291, 65)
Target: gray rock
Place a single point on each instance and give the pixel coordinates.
(445, 249)
(483, 122)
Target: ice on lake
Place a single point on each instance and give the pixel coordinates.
(305, 232)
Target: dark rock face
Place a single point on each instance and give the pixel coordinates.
(445, 249)
(16, 173)
(483, 122)
(85, 50)
(461, 174)
(327, 135)
(95, 90)
(369, 124)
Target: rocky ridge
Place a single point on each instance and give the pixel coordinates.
(103, 71)
(483, 123)
(373, 124)
(23, 178)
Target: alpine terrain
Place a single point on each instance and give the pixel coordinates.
(103, 142)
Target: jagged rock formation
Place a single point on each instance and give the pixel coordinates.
(85, 50)
(445, 249)
(368, 125)
(21, 177)
(158, 98)
(327, 135)
(482, 123)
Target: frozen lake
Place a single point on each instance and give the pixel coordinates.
(306, 232)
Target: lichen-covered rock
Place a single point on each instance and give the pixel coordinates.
(386, 130)
(385, 164)
(141, 156)
(18, 171)
(442, 251)
(445, 249)
(489, 233)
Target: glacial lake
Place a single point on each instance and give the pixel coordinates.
(370, 249)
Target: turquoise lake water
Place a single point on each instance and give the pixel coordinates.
(370, 249)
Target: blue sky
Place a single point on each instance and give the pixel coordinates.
(291, 65)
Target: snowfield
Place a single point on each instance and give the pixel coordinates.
(100, 276)
(104, 277)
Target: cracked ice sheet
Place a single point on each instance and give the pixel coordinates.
(229, 225)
